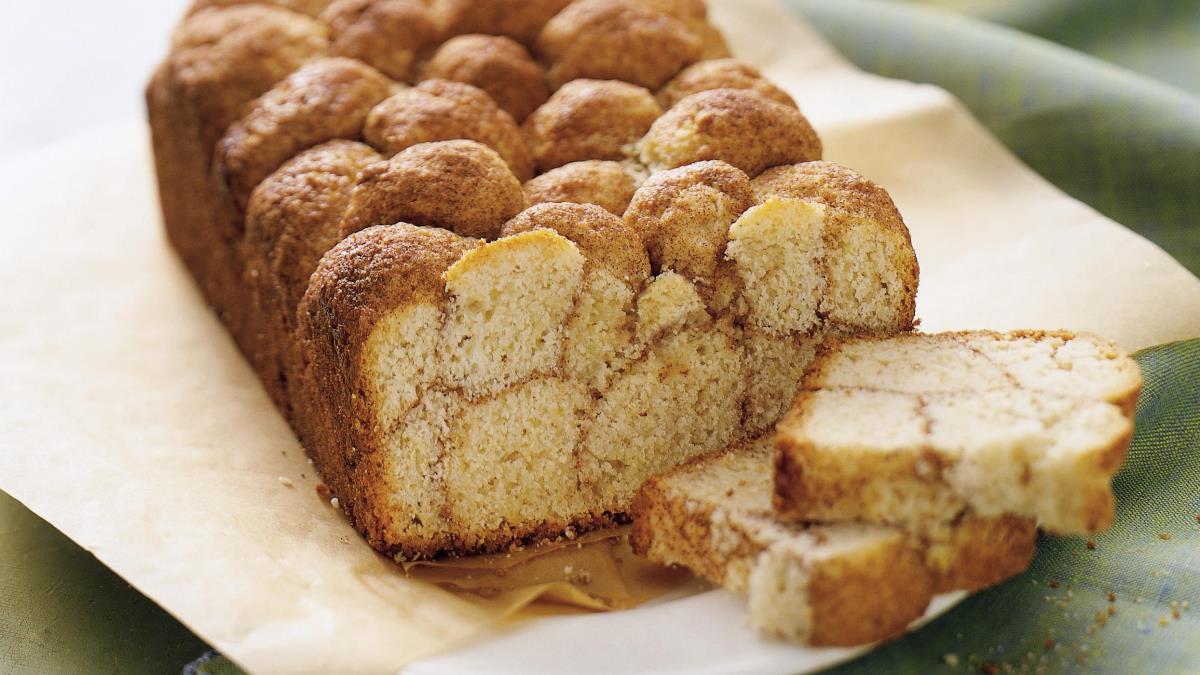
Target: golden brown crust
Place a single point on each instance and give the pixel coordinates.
(495, 64)
(719, 74)
(983, 552)
(520, 20)
(860, 602)
(683, 217)
(388, 34)
(738, 126)
(868, 594)
(589, 119)
(609, 185)
(463, 186)
(291, 221)
(221, 59)
(355, 285)
(321, 101)
(441, 110)
(849, 198)
(603, 237)
(616, 40)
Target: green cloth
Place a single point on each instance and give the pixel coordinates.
(1126, 144)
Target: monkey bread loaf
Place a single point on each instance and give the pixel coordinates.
(499, 262)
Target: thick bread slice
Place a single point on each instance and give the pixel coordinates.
(1031, 424)
(822, 584)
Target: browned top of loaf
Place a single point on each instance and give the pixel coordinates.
(834, 186)
(589, 119)
(607, 184)
(388, 34)
(463, 186)
(441, 110)
(719, 74)
(520, 20)
(372, 272)
(616, 40)
(222, 59)
(293, 216)
(739, 126)
(495, 64)
(603, 237)
(850, 198)
(323, 100)
(683, 216)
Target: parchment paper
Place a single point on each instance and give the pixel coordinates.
(131, 423)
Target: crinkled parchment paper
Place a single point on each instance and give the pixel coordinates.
(130, 422)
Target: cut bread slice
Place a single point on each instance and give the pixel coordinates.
(1030, 423)
(820, 584)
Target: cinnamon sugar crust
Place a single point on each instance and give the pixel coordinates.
(589, 119)
(441, 110)
(604, 238)
(322, 101)
(221, 59)
(520, 20)
(738, 126)
(388, 34)
(497, 65)
(463, 186)
(719, 74)
(616, 40)
(607, 184)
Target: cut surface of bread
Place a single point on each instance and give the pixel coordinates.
(821, 584)
(915, 429)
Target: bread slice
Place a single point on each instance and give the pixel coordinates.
(820, 584)
(916, 429)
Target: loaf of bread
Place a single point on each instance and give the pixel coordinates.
(918, 430)
(500, 261)
(820, 584)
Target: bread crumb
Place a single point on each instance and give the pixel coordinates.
(1091, 544)
(1163, 620)
(1164, 535)
(323, 492)
(951, 660)
(1048, 644)
(567, 570)
(1112, 597)
(286, 482)
(1053, 584)
(333, 501)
